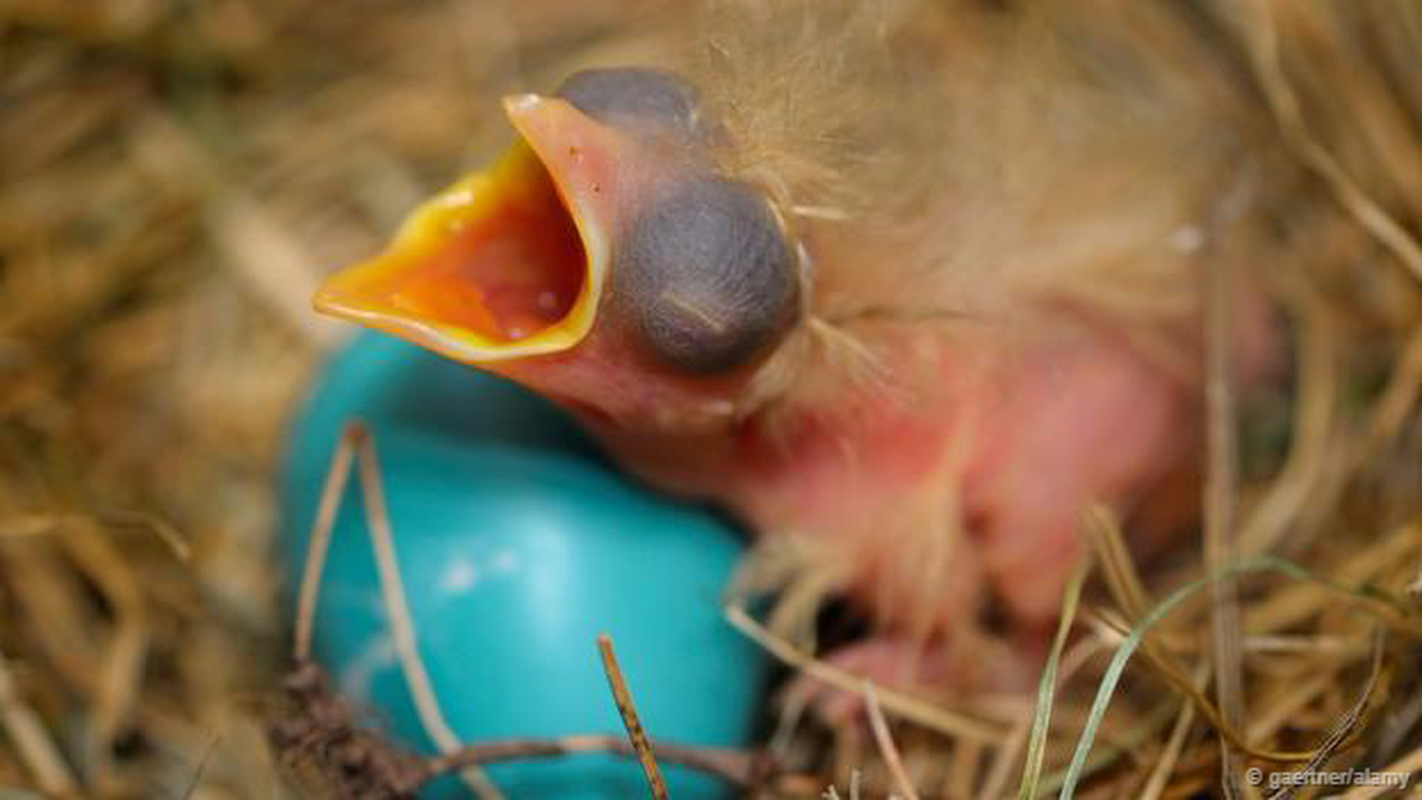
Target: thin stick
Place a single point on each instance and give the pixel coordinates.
(896, 703)
(1399, 397)
(152, 523)
(45, 524)
(635, 733)
(392, 590)
(885, 740)
(1221, 479)
(1109, 544)
(402, 626)
(1306, 466)
(1000, 771)
(37, 751)
(120, 662)
(319, 543)
(961, 773)
(737, 767)
(1174, 744)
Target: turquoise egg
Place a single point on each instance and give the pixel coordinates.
(518, 544)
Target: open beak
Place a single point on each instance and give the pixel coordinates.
(506, 263)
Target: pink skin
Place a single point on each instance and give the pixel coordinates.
(1012, 440)
(1011, 446)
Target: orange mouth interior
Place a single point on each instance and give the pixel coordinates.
(508, 274)
(494, 266)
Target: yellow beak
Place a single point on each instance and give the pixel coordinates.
(506, 263)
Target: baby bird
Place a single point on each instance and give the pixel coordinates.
(906, 286)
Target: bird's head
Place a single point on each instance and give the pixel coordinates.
(604, 260)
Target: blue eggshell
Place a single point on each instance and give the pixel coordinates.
(518, 544)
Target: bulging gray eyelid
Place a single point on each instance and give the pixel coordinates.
(641, 96)
(706, 275)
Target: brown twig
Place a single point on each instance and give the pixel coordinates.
(1306, 472)
(1221, 487)
(628, 711)
(737, 767)
(402, 624)
(319, 543)
(121, 660)
(1155, 785)
(885, 740)
(392, 592)
(32, 742)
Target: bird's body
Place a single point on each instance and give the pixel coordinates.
(996, 228)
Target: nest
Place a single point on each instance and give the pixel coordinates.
(177, 177)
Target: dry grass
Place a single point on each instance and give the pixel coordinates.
(176, 176)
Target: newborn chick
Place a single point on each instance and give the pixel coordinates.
(907, 288)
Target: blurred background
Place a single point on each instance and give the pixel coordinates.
(177, 175)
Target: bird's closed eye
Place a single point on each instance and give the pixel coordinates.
(706, 275)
